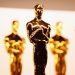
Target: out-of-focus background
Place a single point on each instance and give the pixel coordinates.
(22, 10)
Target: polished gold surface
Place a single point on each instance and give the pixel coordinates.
(59, 47)
(15, 46)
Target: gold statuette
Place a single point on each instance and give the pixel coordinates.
(15, 46)
(59, 47)
(39, 32)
